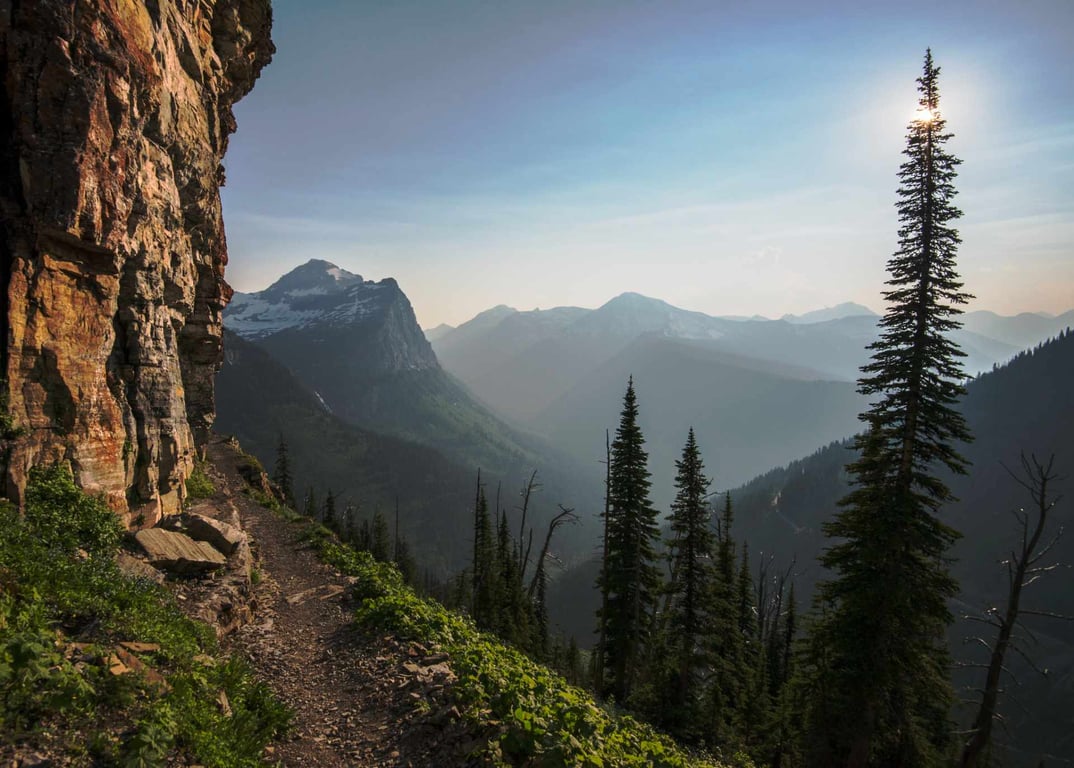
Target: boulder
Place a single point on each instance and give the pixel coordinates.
(177, 553)
(223, 537)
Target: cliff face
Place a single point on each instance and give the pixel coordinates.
(114, 118)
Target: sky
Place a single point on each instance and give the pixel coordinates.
(728, 157)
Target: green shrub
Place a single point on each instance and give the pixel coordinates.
(59, 583)
(198, 485)
(35, 678)
(65, 519)
(9, 430)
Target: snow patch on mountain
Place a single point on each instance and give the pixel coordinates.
(316, 293)
(252, 317)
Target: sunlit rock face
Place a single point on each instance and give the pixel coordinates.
(114, 121)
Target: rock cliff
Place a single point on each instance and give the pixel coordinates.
(114, 119)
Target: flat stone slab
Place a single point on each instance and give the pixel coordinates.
(178, 553)
(223, 537)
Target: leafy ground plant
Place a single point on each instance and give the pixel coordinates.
(531, 715)
(70, 683)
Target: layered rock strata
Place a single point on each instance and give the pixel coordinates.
(114, 119)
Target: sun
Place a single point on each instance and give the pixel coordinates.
(924, 115)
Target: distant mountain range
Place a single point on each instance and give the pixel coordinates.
(560, 372)
(838, 312)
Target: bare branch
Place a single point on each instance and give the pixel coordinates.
(1047, 614)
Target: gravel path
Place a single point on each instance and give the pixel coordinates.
(358, 701)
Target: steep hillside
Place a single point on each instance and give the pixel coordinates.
(114, 120)
(1020, 407)
(259, 400)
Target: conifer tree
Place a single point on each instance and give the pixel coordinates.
(349, 524)
(886, 697)
(725, 642)
(540, 614)
(691, 555)
(282, 473)
(508, 587)
(746, 626)
(328, 513)
(484, 565)
(629, 579)
(404, 561)
(381, 545)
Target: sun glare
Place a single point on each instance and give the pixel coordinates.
(924, 115)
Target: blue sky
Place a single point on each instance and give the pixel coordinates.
(733, 158)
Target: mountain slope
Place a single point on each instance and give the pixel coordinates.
(1024, 406)
(356, 346)
(258, 400)
(1022, 331)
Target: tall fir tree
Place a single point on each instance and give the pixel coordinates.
(886, 697)
(328, 513)
(381, 544)
(484, 581)
(724, 640)
(405, 561)
(281, 475)
(747, 704)
(687, 619)
(513, 607)
(629, 579)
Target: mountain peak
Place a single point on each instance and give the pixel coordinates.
(631, 301)
(316, 276)
(317, 293)
(839, 311)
